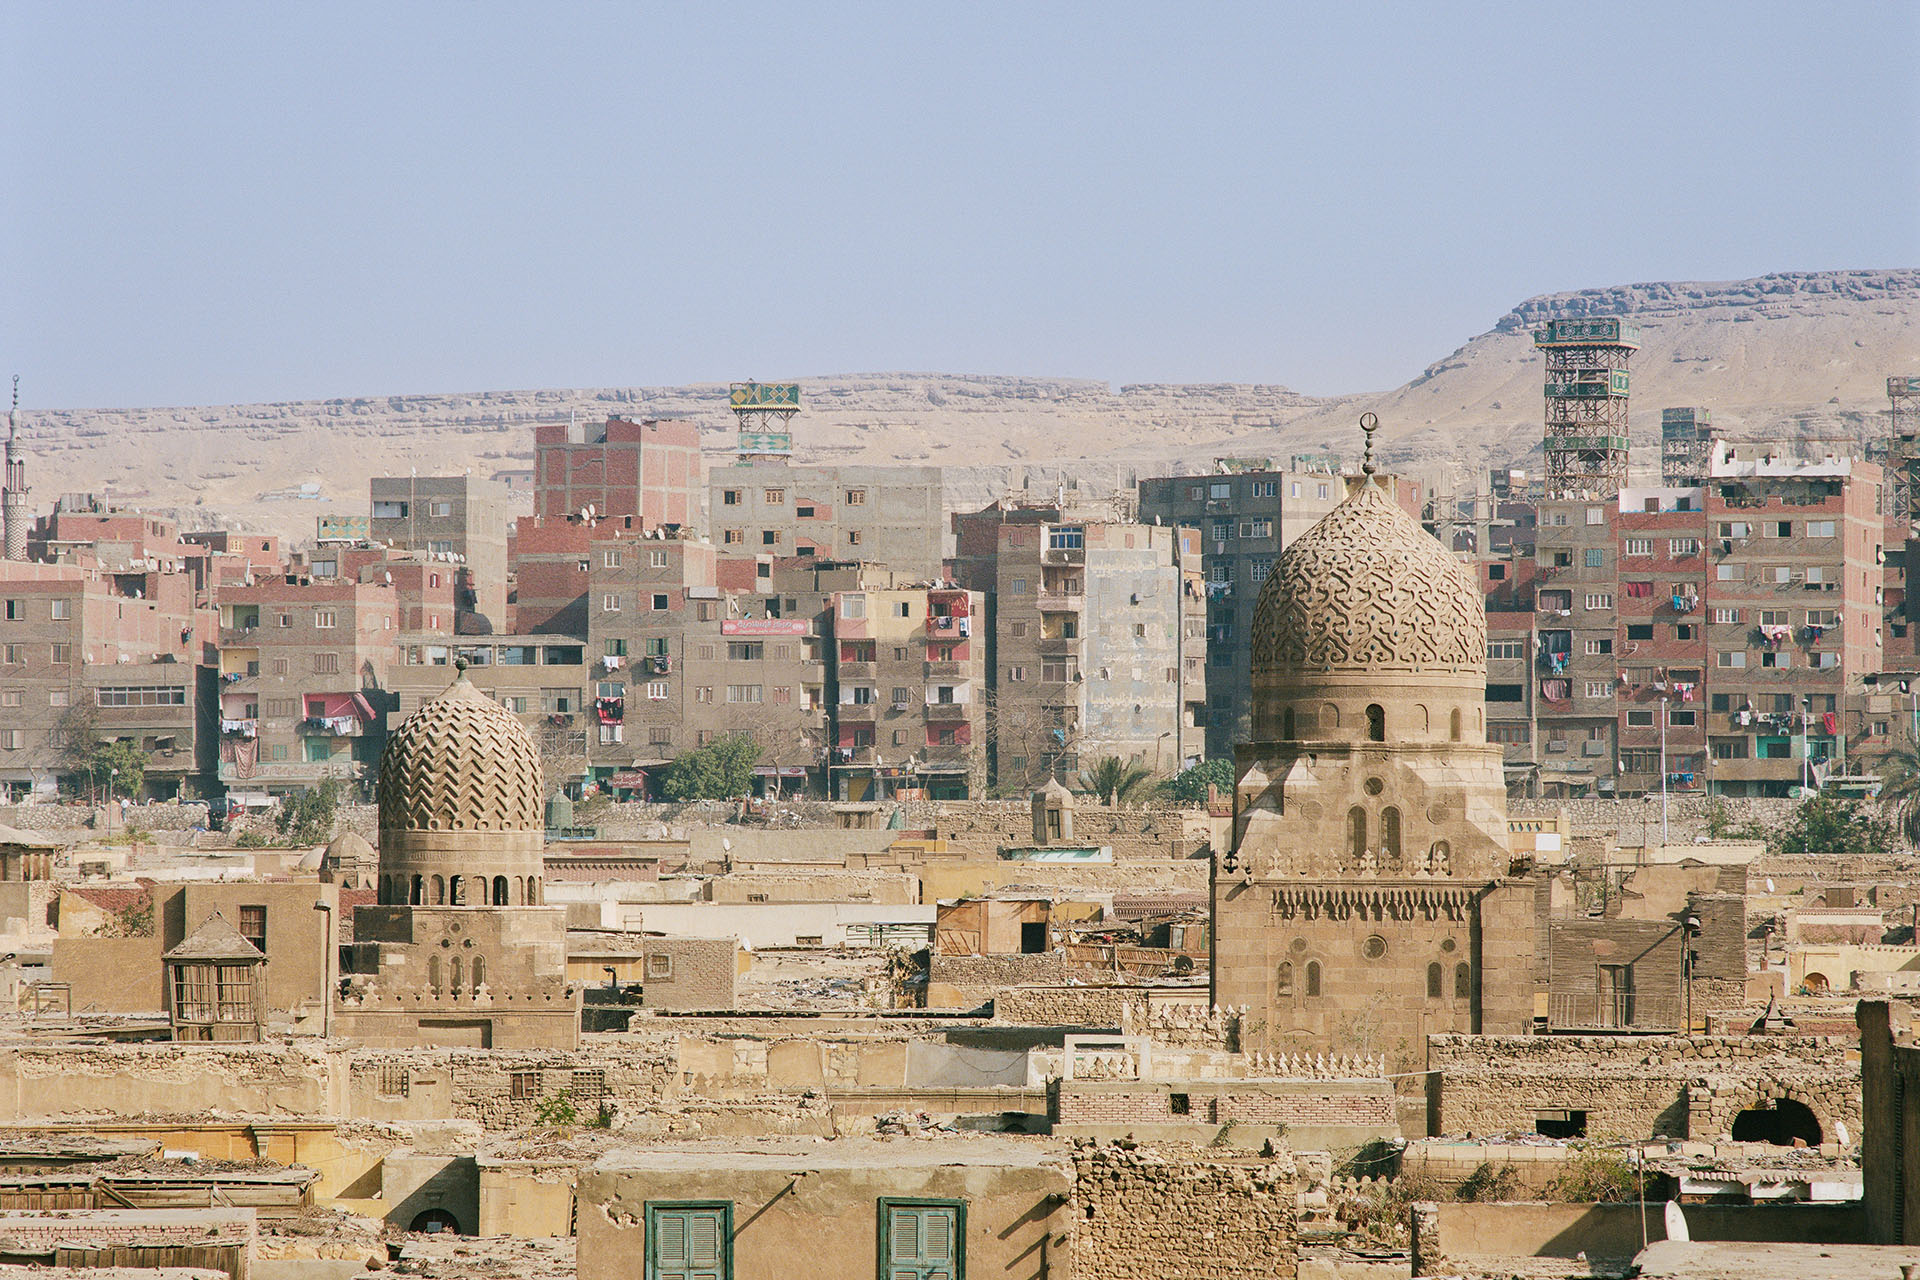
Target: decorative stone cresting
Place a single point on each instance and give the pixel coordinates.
(461, 762)
(1367, 587)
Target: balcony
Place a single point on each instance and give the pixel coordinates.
(1060, 602)
(1059, 646)
(859, 670)
(947, 712)
(953, 626)
(947, 669)
(859, 712)
(331, 726)
(1064, 555)
(1612, 1011)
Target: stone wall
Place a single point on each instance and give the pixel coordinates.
(1311, 1103)
(1628, 821)
(1174, 1213)
(1104, 1008)
(1639, 1087)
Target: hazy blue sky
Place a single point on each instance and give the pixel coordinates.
(208, 203)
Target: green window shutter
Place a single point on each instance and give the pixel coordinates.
(689, 1242)
(922, 1241)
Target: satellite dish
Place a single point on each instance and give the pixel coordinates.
(1840, 1132)
(726, 845)
(1769, 884)
(1676, 1222)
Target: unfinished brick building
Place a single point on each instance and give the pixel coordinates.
(1365, 903)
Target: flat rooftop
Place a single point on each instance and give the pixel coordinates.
(791, 1155)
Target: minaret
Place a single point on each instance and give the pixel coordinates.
(13, 494)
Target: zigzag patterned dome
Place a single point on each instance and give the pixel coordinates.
(1367, 589)
(462, 762)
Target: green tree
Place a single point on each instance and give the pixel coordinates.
(308, 817)
(1900, 792)
(720, 770)
(1115, 781)
(1827, 824)
(1189, 786)
(119, 768)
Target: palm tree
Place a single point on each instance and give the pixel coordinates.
(1115, 780)
(1900, 791)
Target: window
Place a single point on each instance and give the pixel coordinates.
(1599, 600)
(774, 497)
(1256, 528)
(610, 604)
(121, 696)
(1322, 493)
(1506, 732)
(1598, 689)
(1506, 693)
(746, 650)
(660, 604)
(1682, 548)
(748, 693)
(1729, 572)
(16, 610)
(1777, 661)
(1594, 558)
(611, 733)
(656, 691)
(1066, 538)
(1639, 631)
(1505, 648)
(1819, 573)
(733, 537)
(1560, 559)
(60, 609)
(9, 697)
(729, 497)
(1734, 529)
(1640, 719)
(1259, 569)
(1725, 617)
(60, 654)
(323, 619)
(1597, 647)
(1684, 719)
(689, 1240)
(1733, 660)
(253, 926)
(326, 664)
(1776, 529)
(13, 739)
(659, 965)
(610, 558)
(1820, 528)
(1222, 530)
(1638, 547)
(856, 497)
(1596, 515)
(1730, 748)
(925, 1239)
(10, 654)
(1271, 488)
(1496, 573)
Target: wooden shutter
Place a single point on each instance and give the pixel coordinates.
(923, 1241)
(688, 1242)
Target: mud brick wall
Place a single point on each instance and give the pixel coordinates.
(1171, 1213)
(1638, 1087)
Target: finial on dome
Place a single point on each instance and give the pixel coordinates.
(460, 668)
(1369, 424)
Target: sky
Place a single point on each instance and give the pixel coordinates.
(207, 204)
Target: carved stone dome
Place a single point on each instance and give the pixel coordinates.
(1367, 589)
(461, 763)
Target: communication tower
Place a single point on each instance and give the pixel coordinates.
(1903, 445)
(764, 411)
(1686, 446)
(1586, 437)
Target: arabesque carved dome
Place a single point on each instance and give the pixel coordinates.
(462, 762)
(1368, 589)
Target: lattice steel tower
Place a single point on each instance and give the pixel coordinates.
(1586, 436)
(764, 412)
(1903, 446)
(1686, 446)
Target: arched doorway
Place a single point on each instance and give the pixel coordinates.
(435, 1220)
(1778, 1124)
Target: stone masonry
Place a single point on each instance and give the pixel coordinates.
(1174, 1214)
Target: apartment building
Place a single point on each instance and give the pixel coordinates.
(1099, 649)
(1711, 638)
(88, 655)
(909, 714)
(890, 515)
(304, 667)
(462, 517)
(1245, 512)
(545, 680)
(649, 471)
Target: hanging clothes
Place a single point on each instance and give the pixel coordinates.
(1830, 722)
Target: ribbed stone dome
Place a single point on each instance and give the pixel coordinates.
(1367, 589)
(462, 762)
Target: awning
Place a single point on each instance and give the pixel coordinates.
(779, 771)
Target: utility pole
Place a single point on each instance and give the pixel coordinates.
(1664, 704)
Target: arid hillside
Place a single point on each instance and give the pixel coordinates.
(1799, 355)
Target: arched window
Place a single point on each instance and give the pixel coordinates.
(1462, 982)
(433, 974)
(1376, 722)
(439, 891)
(499, 891)
(1313, 977)
(1453, 728)
(535, 895)
(417, 889)
(454, 985)
(479, 973)
(1390, 831)
(1283, 984)
(1433, 981)
(457, 891)
(1329, 716)
(1356, 831)
(1286, 725)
